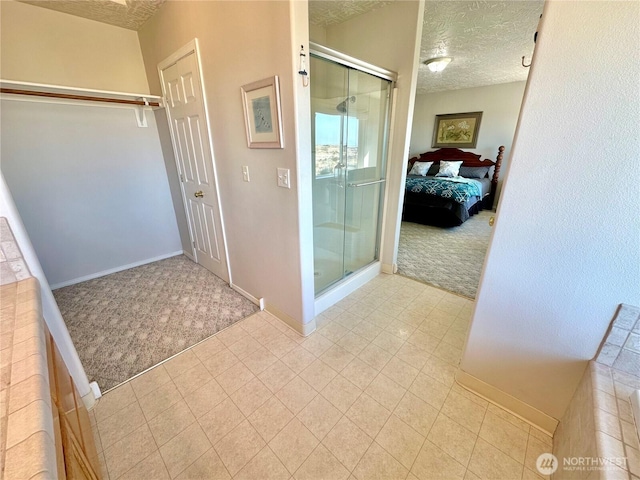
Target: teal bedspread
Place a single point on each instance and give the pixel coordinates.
(457, 189)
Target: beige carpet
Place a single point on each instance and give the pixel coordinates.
(449, 258)
(129, 321)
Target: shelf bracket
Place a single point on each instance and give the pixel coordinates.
(141, 115)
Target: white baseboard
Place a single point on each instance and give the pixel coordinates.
(247, 295)
(114, 270)
(91, 398)
(389, 268)
(302, 329)
(189, 255)
(346, 287)
(95, 388)
(517, 407)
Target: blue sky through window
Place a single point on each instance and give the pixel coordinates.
(328, 130)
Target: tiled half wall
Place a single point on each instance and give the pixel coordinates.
(597, 438)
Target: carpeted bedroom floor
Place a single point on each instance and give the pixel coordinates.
(124, 323)
(449, 258)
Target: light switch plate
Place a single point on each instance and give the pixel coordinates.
(284, 178)
(245, 173)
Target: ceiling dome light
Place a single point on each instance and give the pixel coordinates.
(438, 64)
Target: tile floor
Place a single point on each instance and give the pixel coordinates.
(369, 395)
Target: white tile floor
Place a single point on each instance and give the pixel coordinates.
(369, 395)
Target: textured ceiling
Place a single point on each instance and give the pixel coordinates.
(324, 13)
(486, 40)
(129, 14)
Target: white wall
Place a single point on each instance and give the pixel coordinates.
(500, 105)
(318, 34)
(90, 185)
(565, 248)
(241, 42)
(92, 190)
(44, 46)
(50, 311)
(388, 37)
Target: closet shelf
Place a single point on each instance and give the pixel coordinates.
(140, 101)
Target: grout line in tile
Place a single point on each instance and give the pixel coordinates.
(293, 475)
(430, 355)
(254, 455)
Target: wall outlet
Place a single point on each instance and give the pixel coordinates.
(284, 178)
(245, 173)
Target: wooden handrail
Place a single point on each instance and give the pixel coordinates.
(66, 96)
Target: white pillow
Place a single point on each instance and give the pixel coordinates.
(449, 169)
(420, 168)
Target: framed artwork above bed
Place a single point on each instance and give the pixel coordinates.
(459, 130)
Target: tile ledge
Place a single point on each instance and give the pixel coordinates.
(32, 456)
(607, 446)
(28, 448)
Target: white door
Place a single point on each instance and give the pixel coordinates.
(188, 122)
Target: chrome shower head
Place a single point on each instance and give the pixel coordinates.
(342, 106)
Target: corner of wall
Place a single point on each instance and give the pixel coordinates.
(300, 32)
(513, 405)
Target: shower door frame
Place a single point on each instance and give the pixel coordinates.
(351, 283)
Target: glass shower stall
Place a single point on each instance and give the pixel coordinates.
(350, 110)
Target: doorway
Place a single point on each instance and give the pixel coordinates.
(180, 76)
(350, 124)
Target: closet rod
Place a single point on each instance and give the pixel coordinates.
(141, 103)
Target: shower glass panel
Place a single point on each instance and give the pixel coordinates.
(350, 122)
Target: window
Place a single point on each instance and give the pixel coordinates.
(328, 139)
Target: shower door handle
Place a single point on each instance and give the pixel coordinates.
(364, 184)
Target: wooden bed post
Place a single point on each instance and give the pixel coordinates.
(496, 173)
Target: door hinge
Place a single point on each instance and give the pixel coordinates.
(181, 178)
(194, 244)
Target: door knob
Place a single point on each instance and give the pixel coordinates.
(198, 194)
(492, 220)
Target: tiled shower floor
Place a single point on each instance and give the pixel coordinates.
(369, 395)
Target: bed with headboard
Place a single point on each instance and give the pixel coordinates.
(449, 201)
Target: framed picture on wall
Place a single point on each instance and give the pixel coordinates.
(262, 113)
(459, 130)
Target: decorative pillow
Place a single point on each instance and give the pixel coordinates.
(474, 172)
(449, 169)
(435, 168)
(420, 168)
